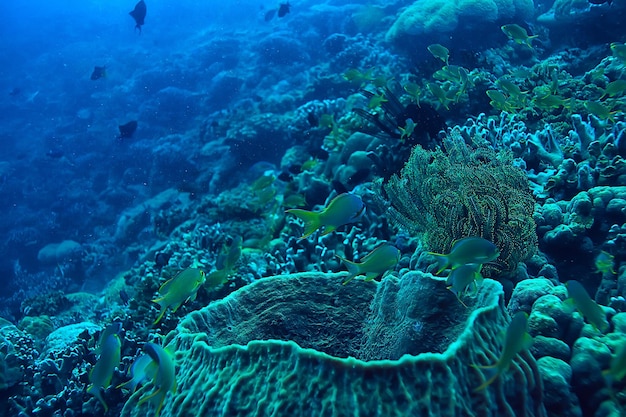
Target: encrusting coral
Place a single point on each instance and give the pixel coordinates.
(304, 344)
(462, 191)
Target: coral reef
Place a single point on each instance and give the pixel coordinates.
(386, 336)
(465, 192)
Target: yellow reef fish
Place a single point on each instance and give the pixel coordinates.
(113, 328)
(440, 94)
(374, 264)
(599, 110)
(614, 88)
(619, 51)
(516, 340)
(225, 263)
(462, 277)
(376, 101)
(604, 263)
(414, 91)
(407, 130)
(590, 310)
(469, 250)
(356, 76)
(518, 34)
(174, 292)
(439, 51)
(102, 372)
(164, 377)
(343, 209)
(140, 372)
(617, 369)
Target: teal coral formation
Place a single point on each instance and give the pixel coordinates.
(389, 354)
(428, 17)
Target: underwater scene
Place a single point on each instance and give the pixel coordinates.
(253, 208)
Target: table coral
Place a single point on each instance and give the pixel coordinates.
(303, 344)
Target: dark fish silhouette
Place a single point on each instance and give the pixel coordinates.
(99, 72)
(269, 15)
(15, 92)
(139, 14)
(125, 298)
(284, 9)
(600, 1)
(127, 130)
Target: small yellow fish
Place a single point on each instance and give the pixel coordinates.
(356, 76)
(462, 277)
(439, 51)
(516, 340)
(590, 310)
(263, 182)
(469, 250)
(164, 377)
(407, 130)
(604, 263)
(439, 94)
(510, 88)
(599, 110)
(294, 200)
(550, 101)
(225, 263)
(617, 370)
(414, 91)
(614, 88)
(184, 286)
(309, 165)
(374, 264)
(619, 51)
(376, 100)
(343, 209)
(102, 372)
(140, 372)
(518, 34)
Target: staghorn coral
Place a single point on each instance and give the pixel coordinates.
(458, 192)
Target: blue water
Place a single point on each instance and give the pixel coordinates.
(225, 92)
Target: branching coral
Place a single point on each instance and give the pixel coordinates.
(462, 191)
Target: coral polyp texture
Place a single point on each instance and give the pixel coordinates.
(304, 344)
(462, 191)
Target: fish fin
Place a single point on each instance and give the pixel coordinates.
(488, 382)
(158, 319)
(160, 406)
(442, 261)
(527, 342)
(165, 286)
(369, 276)
(176, 307)
(328, 229)
(97, 392)
(570, 305)
(311, 221)
(149, 397)
(353, 269)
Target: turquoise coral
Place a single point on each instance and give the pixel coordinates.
(386, 347)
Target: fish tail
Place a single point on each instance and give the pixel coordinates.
(158, 319)
(353, 269)
(442, 262)
(311, 221)
(97, 392)
(495, 373)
